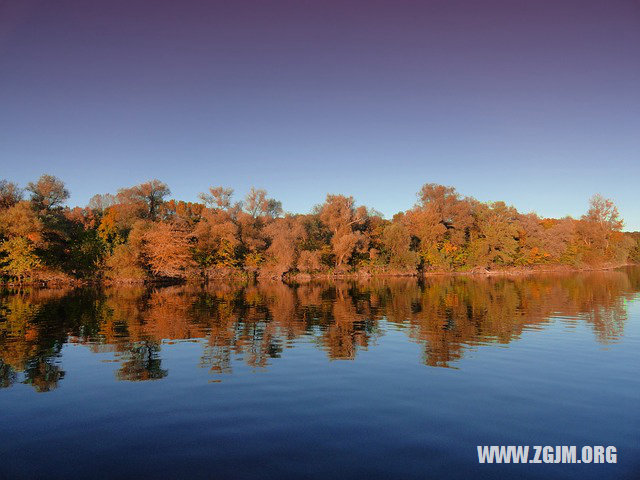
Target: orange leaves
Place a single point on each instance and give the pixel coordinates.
(163, 238)
(167, 250)
(449, 248)
(107, 230)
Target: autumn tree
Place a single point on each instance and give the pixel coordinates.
(124, 264)
(600, 231)
(397, 244)
(257, 212)
(10, 194)
(315, 248)
(48, 193)
(441, 221)
(218, 198)
(101, 202)
(494, 238)
(20, 259)
(634, 253)
(604, 214)
(216, 242)
(217, 234)
(148, 196)
(167, 250)
(70, 245)
(310, 261)
(532, 240)
(257, 204)
(285, 235)
(184, 214)
(342, 218)
(21, 234)
(20, 220)
(119, 213)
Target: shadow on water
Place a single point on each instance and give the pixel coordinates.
(255, 323)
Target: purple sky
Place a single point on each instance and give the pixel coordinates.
(536, 103)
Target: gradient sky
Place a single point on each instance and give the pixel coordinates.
(533, 102)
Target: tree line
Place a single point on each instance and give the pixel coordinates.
(141, 234)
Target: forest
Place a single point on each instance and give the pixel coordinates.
(140, 234)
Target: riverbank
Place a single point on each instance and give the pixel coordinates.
(306, 277)
(520, 271)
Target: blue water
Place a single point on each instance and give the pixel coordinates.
(382, 379)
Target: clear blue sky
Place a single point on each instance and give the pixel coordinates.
(535, 103)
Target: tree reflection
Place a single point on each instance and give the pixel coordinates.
(29, 343)
(7, 375)
(141, 362)
(256, 323)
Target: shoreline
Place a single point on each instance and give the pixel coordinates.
(306, 277)
(472, 273)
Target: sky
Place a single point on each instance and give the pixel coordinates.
(536, 103)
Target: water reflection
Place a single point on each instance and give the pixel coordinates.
(256, 323)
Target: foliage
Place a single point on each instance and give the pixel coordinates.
(20, 260)
(139, 235)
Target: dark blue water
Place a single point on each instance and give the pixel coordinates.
(379, 379)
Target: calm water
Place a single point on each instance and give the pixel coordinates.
(378, 379)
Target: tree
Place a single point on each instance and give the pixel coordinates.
(600, 231)
(168, 251)
(441, 221)
(20, 220)
(340, 215)
(603, 213)
(495, 234)
(149, 195)
(48, 193)
(217, 238)
(397, 243)
(101, 202)
(124, 264)
(185, 214)
(285, 235)
(338, 212)
(10, 194)
(532, 240)
(310, 261)
(20, 260)
(258, 204)
(24, 240)
(218, 197)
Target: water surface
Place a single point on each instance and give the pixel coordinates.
(374, 379)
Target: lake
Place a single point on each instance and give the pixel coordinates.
(381, 378)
